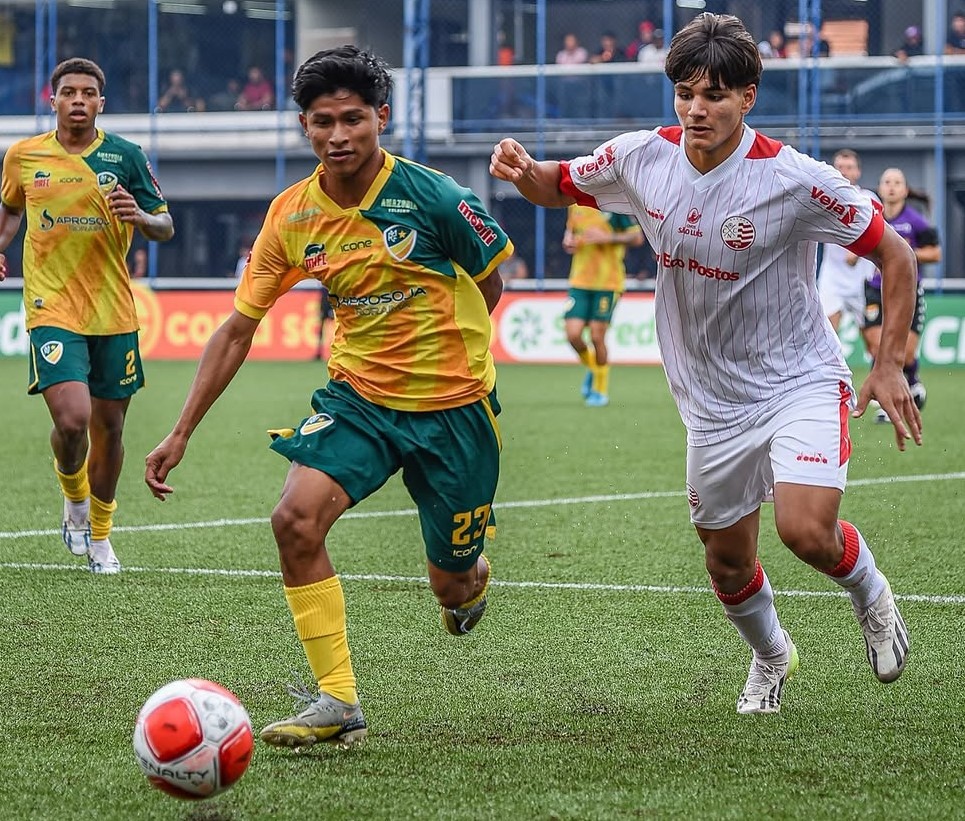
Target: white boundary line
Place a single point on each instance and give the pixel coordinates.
(376, 577)
(377, 514)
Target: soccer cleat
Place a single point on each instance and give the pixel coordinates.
(885, 635)
(101, 559)
(919, 395)
(324, 719)
(460, 620)
(597, 400)
(881, 417)
(76, 534)
(587, 387)
(765, 682)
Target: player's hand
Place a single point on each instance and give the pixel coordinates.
(160, 462)
(124, 206)
(890, 388)
(510, 161)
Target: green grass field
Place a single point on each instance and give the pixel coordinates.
(600, 685)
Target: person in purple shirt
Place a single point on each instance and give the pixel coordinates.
(922, 236)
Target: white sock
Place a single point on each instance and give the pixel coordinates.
(753, 613)
(857, 572)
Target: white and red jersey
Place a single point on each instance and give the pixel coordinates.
(738, 318)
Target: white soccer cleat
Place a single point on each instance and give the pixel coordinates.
(919, 395)
(101, 559)
(76, 534)
(885, 635)
(765, 682)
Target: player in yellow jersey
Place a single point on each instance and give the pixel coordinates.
(598, 242)
(410, 259)
(84, 191)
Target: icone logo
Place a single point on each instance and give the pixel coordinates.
(315, 256)
(483, 231)
(844, 212)
(699, 268)
(355, 245)
(599, 163)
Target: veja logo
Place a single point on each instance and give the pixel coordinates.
(599, 163)
(52, 351)
(844, 212)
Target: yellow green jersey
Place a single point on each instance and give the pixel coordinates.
(74, 253)
(412, 330)
(598, 266)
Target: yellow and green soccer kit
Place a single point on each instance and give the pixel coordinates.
(412, 328)
(598, 266)
(74, 259)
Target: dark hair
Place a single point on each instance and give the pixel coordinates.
(345, 68)
(717, 45)
(847, 153)
(77, 65)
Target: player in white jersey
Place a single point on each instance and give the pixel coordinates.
(757, 373)
(842, 275)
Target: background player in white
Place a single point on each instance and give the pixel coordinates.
(842, 275)
(757, 373)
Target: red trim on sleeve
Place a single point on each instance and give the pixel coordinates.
(752, 587)
(764, 148)
(672, 133)
(568, 187)
(869, 240)
(852, 547)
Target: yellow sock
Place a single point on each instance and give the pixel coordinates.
(101, 518)
(319, 613)
(601, 379)
(588, 357)
(76, 486)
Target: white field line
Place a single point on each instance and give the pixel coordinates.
(376, 577)
(378, 514)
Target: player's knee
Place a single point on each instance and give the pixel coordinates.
(730, 572)
(72, 427)
(297, 534)
(811, 540)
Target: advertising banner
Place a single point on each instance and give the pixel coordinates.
(527, 327)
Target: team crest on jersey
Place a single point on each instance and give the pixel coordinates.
(42, 179)
(315, 256)
(315, 423)
(738, 233)
(107, 182)
(399, 241)
(52, 351)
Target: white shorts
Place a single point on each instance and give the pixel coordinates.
(804, 441)
(837, 301)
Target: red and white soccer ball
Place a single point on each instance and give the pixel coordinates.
(193, 738)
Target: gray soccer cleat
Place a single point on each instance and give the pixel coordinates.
(324, 719)
(460, 620)
(885, 635)
(76, 534)
(765, 682)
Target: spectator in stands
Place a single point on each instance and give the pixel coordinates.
(644, 37)
(654, 52)
(514, 267)
(572, 52)
(774, 47)
(955, 44)
(177, 97)
(608, 52)
(257, 94)
(911, 46)
(227, 98)
(806, 47)
(137, 266)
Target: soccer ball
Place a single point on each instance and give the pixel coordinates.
(193, 738)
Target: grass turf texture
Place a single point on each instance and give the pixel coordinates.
(566, 702)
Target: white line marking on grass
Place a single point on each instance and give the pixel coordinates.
(378, 577)
(378, 514)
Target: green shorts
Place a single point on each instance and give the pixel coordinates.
(591, 306)
(449, 461)
(109, 365)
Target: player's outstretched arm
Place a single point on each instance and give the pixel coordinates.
(887, 382)
(220, 360)
(539, 182)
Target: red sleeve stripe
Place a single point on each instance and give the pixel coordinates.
(869, 240)
(567, 187)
